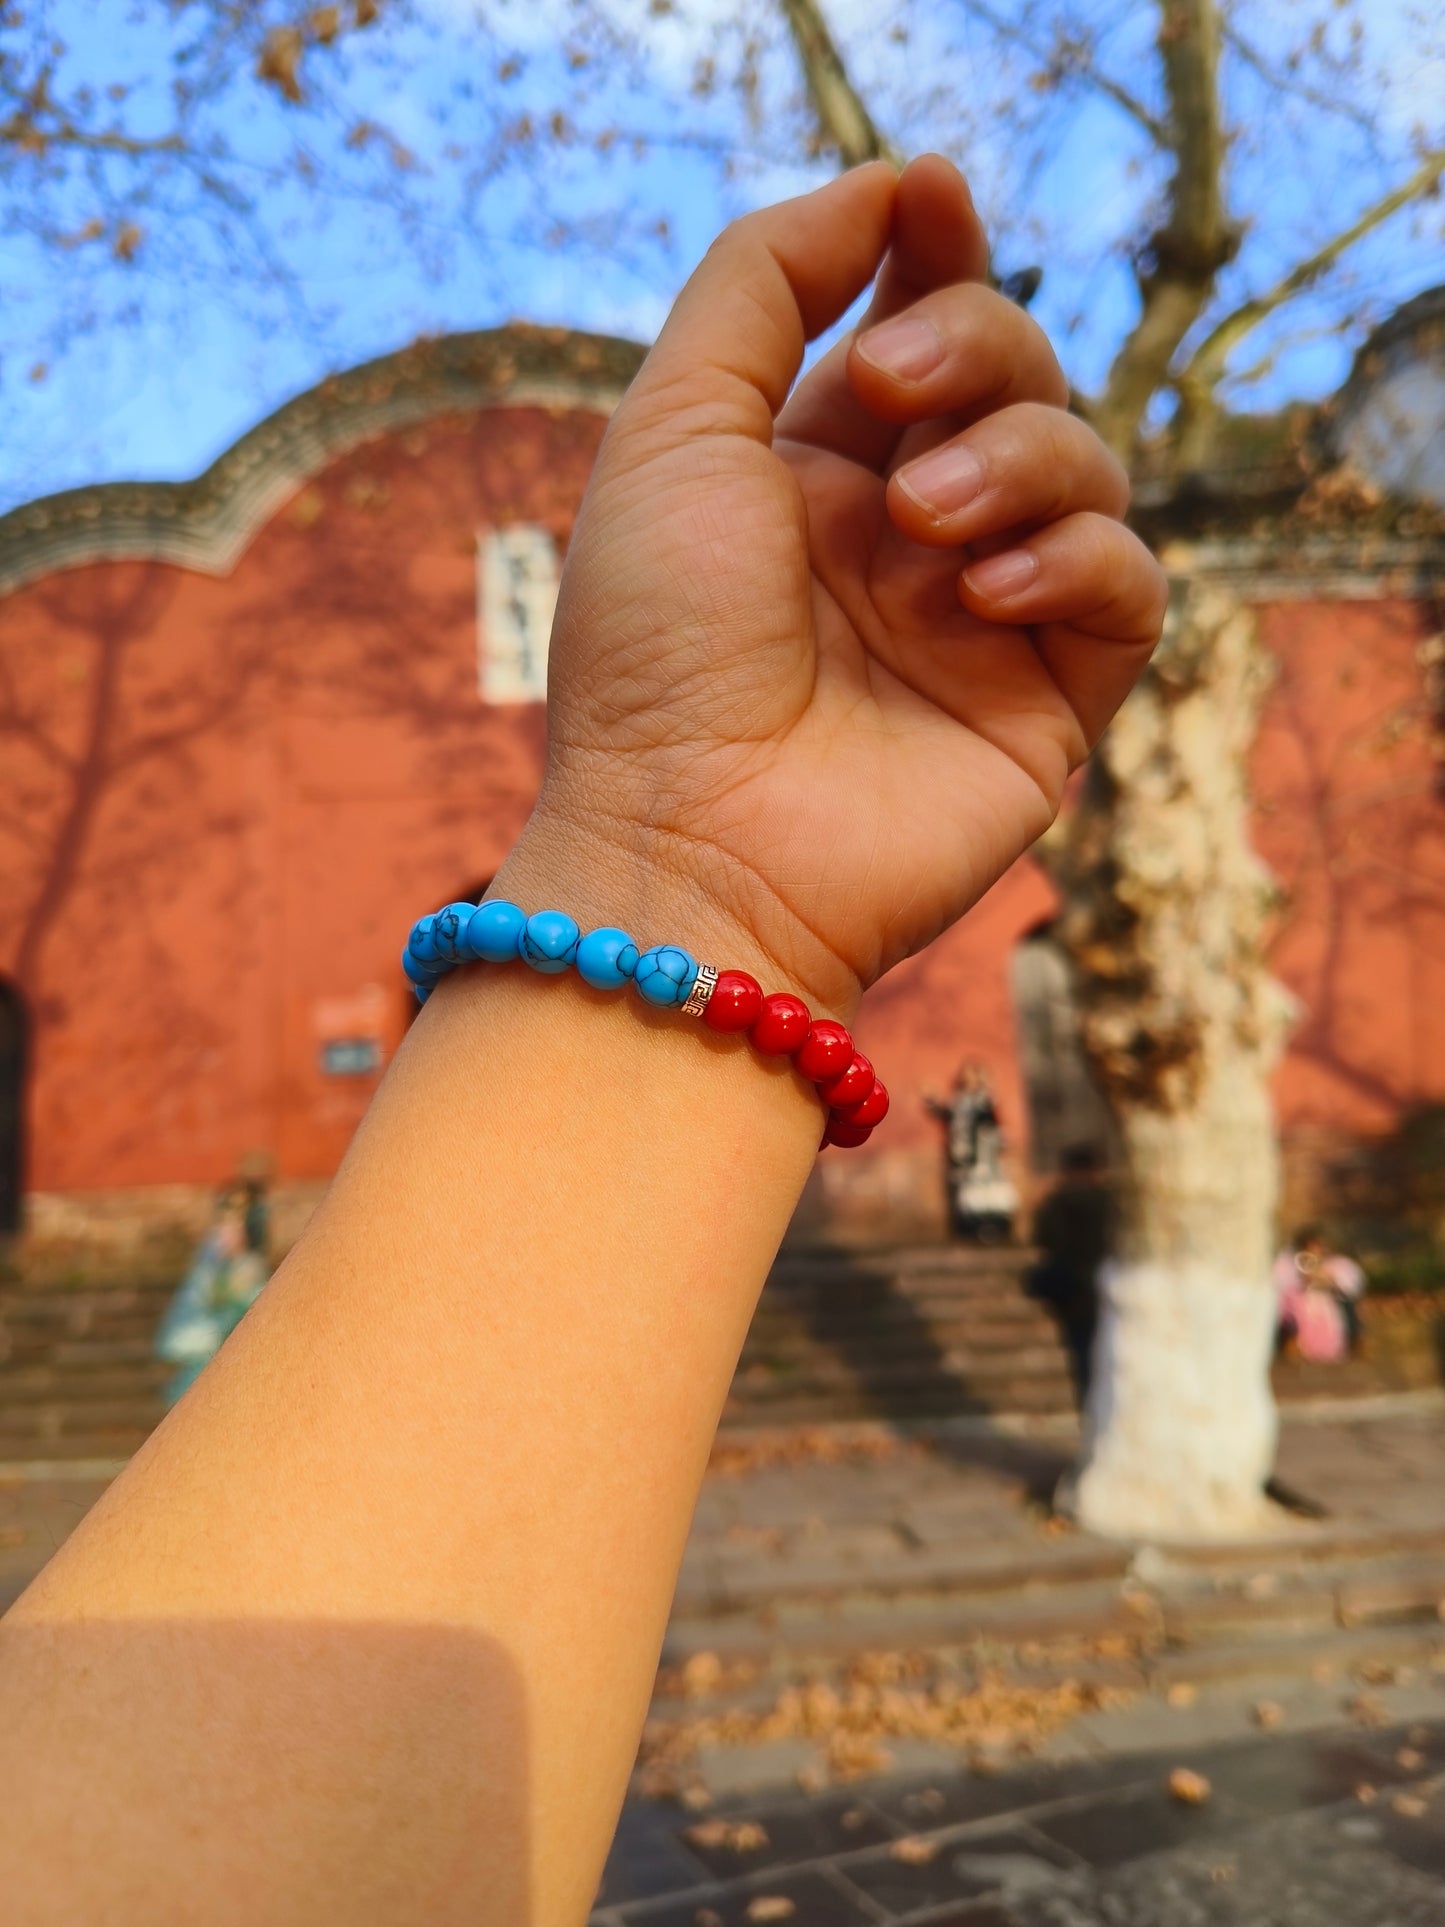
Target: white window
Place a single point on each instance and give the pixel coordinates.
(516, 600)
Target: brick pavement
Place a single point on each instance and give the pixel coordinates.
(1304, 1830)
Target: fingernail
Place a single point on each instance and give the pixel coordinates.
(908, 348)
(1002, 576)
(944, 480)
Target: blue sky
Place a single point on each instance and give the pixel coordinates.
(114, 368)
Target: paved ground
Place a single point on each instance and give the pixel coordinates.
(1299, 1831)
(973, 1499)
(895, 1689)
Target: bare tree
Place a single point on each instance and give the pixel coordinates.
(1166, 904)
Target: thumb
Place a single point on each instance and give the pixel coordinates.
(732, 346)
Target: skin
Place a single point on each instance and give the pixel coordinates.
(366, 1631)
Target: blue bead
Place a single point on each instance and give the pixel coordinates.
(447, 930)
(422, 942)
(495, 931)
(421, 973)
(665, 975)
(423, 991)
(549, 941)
(606, 958)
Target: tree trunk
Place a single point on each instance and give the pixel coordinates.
(1165, 921)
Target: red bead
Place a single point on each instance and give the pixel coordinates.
(781, 1026)
(827, 1052)
(872, 1109)
(843, 1131)
(852, 1087)
(735, 1001)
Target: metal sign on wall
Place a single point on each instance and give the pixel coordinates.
(516, 599)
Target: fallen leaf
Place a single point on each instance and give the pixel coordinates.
(1376, 1672)
(1191, 1789)
(1410, 1805)
(771, 1907)
(1368, 1710)
(1269, 1714)
(1408, 1758)
(1366, 1794)
(1182, 1693)
(913, 1850)
(700, 1674)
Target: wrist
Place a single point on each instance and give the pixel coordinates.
(666, 887)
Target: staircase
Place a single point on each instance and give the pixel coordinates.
(77, 1377)
(901, 1332)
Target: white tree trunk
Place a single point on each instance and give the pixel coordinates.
(1165, 922)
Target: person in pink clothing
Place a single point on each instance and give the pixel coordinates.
(1319, 1290)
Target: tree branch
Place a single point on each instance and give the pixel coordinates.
(1197, 239)
(842, 116)
(1206, 364)
(1068, 60)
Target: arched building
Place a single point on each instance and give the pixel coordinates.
(249, 723)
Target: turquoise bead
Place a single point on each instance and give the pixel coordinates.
(495, 931)
(421, 974)
(448, 928)
(606, 958)
(423, 991)
(549, 941)
(422, 942)
(665, 975)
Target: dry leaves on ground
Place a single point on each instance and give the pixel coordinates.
(1268, 1715)
(812, 1445)
(771, 1907)
(738, 1836)
(1191, 1789)
(1408, 1758)
(1410, 1805)
(1182, 1693)
(882, 1697)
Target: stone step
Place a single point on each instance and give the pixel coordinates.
(993, 1326)
(39, 1422)
(800, 1629)
(81, 1386)
(111, 1445)
(908, 1351)
(940, 1399)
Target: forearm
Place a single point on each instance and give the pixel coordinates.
(434, 1492)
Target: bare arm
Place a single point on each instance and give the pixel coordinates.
(366, 1632)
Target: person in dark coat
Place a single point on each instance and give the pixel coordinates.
(1073, 1230)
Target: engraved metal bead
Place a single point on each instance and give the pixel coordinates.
(701, 991)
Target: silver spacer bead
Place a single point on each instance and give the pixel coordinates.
(700, 995)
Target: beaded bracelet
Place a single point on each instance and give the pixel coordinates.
(666, 976)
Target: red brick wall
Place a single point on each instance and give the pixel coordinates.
(234, 794)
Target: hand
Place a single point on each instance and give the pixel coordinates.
(810, 695)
